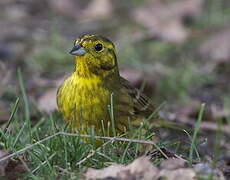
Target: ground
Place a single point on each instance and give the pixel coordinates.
(177, 52)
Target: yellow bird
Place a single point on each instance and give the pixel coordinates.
(95, 98)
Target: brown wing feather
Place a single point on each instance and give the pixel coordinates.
(142, 104)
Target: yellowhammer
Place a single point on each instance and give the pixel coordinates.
(95, 96)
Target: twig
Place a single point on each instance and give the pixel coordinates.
(86, 136)
(103, 155)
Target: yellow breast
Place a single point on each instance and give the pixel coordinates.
(83, 103)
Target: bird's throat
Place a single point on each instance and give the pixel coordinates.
(86, 70)
(82, 69)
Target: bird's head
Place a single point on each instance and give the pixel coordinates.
(94, 53)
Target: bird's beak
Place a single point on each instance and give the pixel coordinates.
(77, 50)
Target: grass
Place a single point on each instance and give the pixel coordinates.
(194, 137)
(54, 150)
(51, 152)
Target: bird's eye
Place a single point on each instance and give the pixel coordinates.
(98, 47)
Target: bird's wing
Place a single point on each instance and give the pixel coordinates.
(142, 104)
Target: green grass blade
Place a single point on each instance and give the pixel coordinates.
(25, 101)
(197, 127)
(112, 115)
(15, 108)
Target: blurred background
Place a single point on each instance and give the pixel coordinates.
(176, 51)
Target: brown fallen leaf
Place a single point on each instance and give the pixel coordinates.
(173, 163)
(164, 19)
(206, 169)
(3, 164)
(93, 10)
(217, 47)
(170, 169)
(47, 102)
(97, 10)
(68, 8)
(141, 169)
(15, 170)
(178, 174)
(11, 169)
(111, 171)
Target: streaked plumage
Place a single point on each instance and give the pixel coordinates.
(84, 98)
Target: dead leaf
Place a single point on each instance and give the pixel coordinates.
(141, 169)
(111, 171)
(205, 169)
(15, 170)
(11, 169)
(66, 7)
(178, 174)
(97, 10)
(173, 163)
(3, 164)
(164, 19)
(217, 47)
(47, 101)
